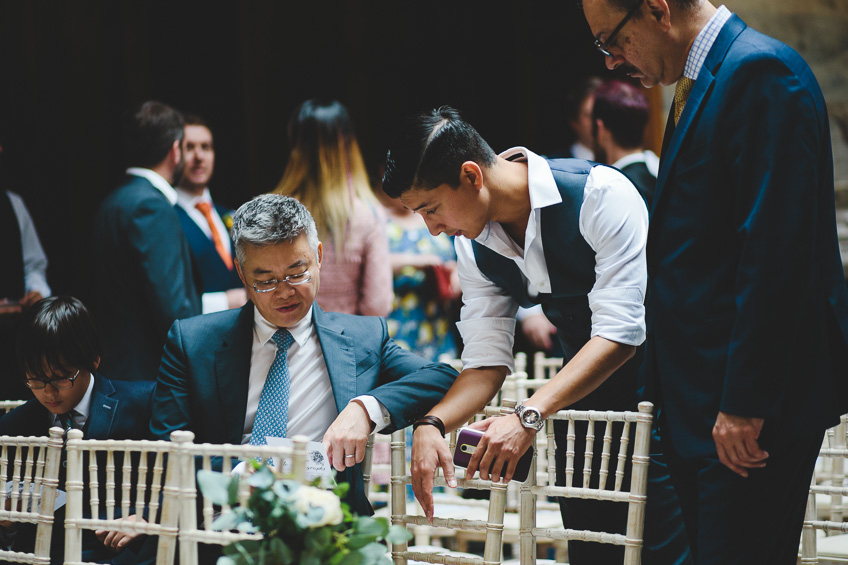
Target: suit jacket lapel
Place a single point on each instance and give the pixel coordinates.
(339, 356)
(232, 373)
(703, 86)
(102, 410)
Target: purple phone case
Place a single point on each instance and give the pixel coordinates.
(468, 438)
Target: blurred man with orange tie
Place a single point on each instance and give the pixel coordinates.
(205, 223)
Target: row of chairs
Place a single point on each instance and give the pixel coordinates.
(497, 519)
(153, 479)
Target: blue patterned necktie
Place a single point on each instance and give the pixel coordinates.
(272, 415)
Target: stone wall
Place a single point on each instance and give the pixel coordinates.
(818, 30)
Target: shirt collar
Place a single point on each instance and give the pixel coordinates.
(83, 407)
(189, 200)
(265, 330)
(648, 157)
(704, 42)
(157, 180)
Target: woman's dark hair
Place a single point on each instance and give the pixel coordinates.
(57, 333)
(624, 110)
(430, 150)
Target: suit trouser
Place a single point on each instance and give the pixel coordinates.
(665, 541)
(735, 520)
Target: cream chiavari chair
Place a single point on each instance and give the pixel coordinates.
(9, 405)
(634, 496)
(30, 469)
(545, 367)
(192, 457)
(125, 477)
(825, 514)
(376, 470)
(453, 514)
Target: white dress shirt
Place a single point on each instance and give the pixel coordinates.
(312, 406)
(613, 220)
(158, 182)
(210, 301)
(35, 261)
(80, 412)
(652, 162)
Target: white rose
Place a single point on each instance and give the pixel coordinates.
(310, 497)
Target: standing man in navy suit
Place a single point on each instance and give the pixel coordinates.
(747, 312)
(206, 224)
(59, 352)
(144, 277)
(328, 376)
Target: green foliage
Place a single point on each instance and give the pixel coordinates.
(300, 525)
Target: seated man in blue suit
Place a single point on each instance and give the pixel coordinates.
(280, 366)
(59, 352)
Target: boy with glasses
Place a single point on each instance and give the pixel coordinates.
(59, 353)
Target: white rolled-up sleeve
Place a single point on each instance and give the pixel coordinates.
(35, 261)
(614, 222)
(487, 319)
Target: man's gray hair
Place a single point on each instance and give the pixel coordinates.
(270, 219)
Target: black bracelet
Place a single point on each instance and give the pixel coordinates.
(430, 421)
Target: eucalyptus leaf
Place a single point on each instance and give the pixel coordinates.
(353, 558)
(357, 541)
(226, 521)
(224, 560)
(370, 526)
(281, 551)
(373, 553)
(214, 486)
(398, 534)
(263, 478)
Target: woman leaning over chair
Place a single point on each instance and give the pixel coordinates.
(326, 173)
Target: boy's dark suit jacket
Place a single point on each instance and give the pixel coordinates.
(119, 410)
(205, 369)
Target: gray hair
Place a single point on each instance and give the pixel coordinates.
(270, 219)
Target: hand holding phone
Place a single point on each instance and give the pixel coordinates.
(466, 442)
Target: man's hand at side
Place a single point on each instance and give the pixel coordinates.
(736, 442)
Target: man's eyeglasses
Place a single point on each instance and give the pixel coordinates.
(292, 280)
(59, 384)
(603, 46)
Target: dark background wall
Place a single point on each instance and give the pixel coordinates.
(71, 69)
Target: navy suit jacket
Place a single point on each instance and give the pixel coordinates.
(214, 274)
(747, 310)
(203, 379)
(119, 410)
(144, 278)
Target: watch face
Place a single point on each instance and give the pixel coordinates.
(531, 417)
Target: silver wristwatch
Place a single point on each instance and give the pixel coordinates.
(530, 417)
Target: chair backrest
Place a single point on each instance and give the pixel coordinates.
(492, 526)
(196, 456)
(9, 405)
(545, 367)
(828, 487)
(124, 478)
(608, 488)
(30, 469)
(376, 470)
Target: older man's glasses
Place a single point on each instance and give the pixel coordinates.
(292, 280)
(63, 383)
(603, 46)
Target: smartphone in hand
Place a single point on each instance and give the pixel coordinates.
(466, 442)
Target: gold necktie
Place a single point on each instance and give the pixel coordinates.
(681, 93)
